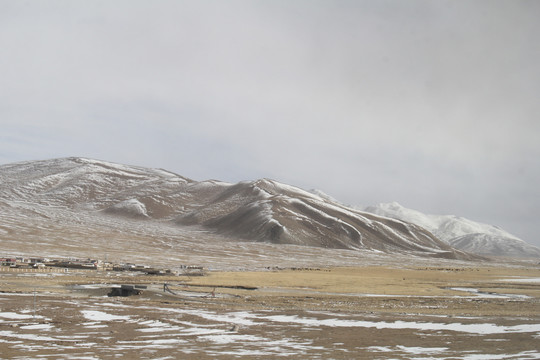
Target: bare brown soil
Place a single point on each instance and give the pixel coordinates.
(373, 312)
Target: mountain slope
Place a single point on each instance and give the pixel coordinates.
(77, 190)
(265, 210)
(461, 233)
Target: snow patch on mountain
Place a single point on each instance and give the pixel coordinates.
(323, 195)
(131, 207)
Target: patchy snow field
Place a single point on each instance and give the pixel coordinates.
(79, 322)
(98, 328)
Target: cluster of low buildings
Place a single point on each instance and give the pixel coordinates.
(36, 262)
(94, 264)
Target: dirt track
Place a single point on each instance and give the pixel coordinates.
(340, 313)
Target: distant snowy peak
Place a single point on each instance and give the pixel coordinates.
(446, 227)
(461, 233)
(492, 245)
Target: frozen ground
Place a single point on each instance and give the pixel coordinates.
(97, 328)
(297, 314)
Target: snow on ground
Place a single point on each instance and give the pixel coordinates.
(523, 280)
(12, 315)
(434, 353)
(93, 315)
(485, 294)
(152, 332)
(480, 328)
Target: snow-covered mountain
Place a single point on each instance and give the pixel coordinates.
(84, 194)
(461, 233)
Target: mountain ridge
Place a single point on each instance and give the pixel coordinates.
(263, 210)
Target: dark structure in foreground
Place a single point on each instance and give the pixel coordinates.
(127, 290)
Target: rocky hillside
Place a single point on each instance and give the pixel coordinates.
(76, 189)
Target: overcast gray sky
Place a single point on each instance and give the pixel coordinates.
(434, 104)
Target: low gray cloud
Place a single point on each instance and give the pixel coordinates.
(432, 104)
